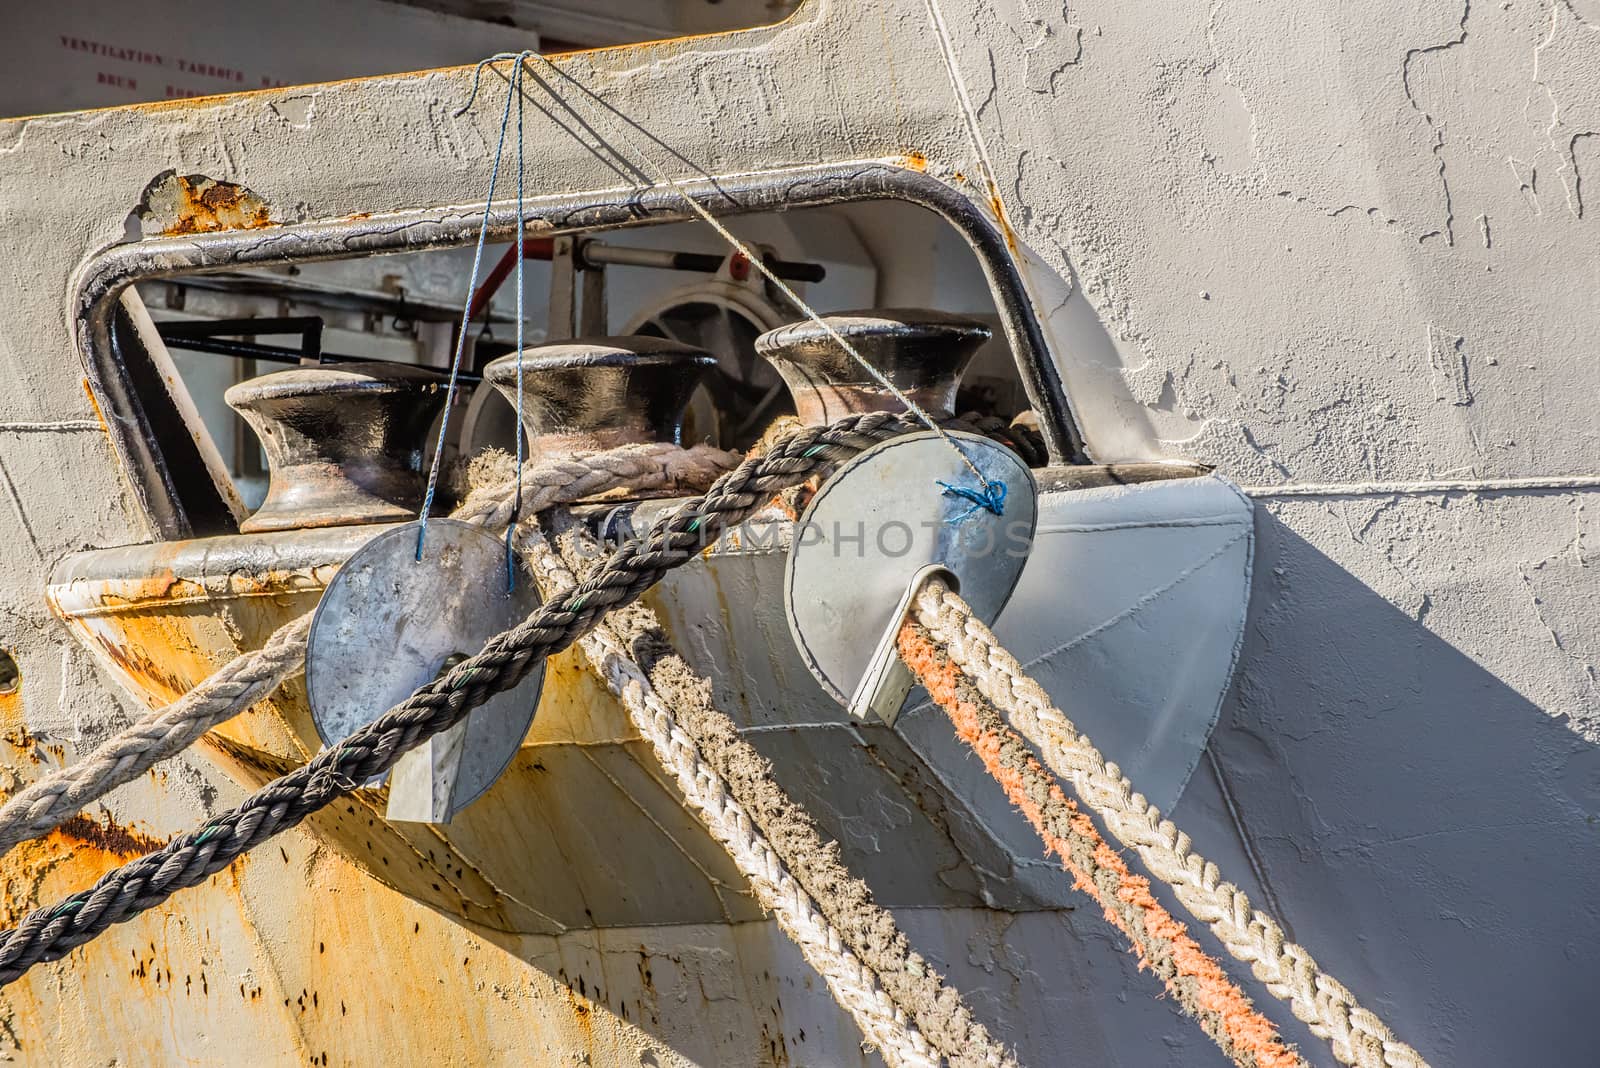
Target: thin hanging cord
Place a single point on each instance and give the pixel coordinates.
(993, 499)
(516, 505)
(466, 308)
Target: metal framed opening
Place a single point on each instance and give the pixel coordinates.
(160, 448)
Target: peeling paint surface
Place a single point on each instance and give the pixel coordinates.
(1304, 244)
(175, 204)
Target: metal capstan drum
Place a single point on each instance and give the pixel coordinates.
(599, 393)
(923, 352)
(344, 442)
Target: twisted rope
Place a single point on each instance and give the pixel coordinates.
(1197, 983)
(671, 706)
(169, 730)
(1356, 1036)
(708, 795)
(657, 466)
(854, 987)
(50, 932)
(248, 678)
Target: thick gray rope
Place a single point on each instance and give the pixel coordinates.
(166, 732)
(46, 804)
(631, 651)
(656, 467)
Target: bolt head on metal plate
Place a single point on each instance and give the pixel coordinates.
(880, 523)
(388, 623)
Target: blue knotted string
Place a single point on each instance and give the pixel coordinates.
(991, 499)
(466, 308)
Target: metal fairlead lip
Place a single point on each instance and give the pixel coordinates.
(106, 275)
(909, 324)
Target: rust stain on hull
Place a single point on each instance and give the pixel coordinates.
(109, 836)
(94, 402)
(177, 204)
(67, 859)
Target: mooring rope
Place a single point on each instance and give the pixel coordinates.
(709, 796)
(1196, 982)
(52, 800)
(853, 986)
(1356, 1036)
(50, 932)
(47, 803)
(671, 706)
(655, 467)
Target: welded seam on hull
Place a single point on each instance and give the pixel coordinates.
(1422, 488)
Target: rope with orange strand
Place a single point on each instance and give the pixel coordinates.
(968, 653)
(1193, 978)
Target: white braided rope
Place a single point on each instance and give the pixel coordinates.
(132, 751)
(1356, 1035)
(240, 683)
(852, 983)
(854, 986)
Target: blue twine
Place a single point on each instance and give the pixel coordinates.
(466, 308)
(992, 499)
(516, 500)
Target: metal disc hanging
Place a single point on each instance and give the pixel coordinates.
(884, 519)
(388, 623)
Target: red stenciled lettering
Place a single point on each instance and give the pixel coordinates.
(100, 48)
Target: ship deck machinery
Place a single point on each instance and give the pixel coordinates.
(1401, 758)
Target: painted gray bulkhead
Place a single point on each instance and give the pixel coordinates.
(1342, 254)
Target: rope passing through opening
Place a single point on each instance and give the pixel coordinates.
(1196, 981)
(900, 1004)
(45, 804)
(673, 707)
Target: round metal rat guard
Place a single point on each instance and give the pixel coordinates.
(883, 519)
(388, 623)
